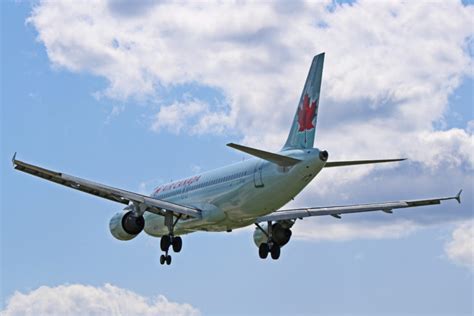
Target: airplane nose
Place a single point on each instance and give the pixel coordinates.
(323, 155)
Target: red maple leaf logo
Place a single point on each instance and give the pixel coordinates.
(306, 114)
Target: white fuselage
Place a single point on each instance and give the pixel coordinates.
(234, 196)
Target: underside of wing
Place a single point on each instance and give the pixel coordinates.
(337, 211)
(117, 195)
(330, 164)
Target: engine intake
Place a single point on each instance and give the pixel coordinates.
(126, 226)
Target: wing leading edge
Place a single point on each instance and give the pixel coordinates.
(336, 211)
(106, 192)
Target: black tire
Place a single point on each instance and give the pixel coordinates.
(263, 250)
(177, 244)
(162, 259)
(165, 243)
(275, 252)
(168, 259)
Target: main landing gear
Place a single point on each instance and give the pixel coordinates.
(270, 246)
(166, 242)
(170, 240)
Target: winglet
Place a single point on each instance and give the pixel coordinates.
(14, 158)
(458, 196)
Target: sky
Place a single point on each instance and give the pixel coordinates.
(135, 94)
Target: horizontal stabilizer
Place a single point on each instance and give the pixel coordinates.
(280, 160)
(358, 162)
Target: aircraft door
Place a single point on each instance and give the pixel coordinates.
(257, 175)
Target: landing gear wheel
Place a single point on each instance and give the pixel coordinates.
(263, 250)
(177, 244)
(169, 240)
(275, 252)
(165, 243)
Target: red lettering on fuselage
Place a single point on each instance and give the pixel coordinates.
(176, 185)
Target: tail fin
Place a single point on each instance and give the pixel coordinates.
(304, 124)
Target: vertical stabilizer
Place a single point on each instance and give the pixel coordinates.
(304, 124)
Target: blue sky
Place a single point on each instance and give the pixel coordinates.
(117, 112)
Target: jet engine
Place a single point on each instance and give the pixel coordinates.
(281, 234)
(126, 225)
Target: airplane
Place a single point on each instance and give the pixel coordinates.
(250, 192)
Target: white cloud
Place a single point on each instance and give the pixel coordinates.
(385, 82)
(460, 249)
(336, 230)
(194, 116)
(77, 299)
(175, 116)
(116, 110)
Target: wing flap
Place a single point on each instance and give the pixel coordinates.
(104, 191)
(336, 211)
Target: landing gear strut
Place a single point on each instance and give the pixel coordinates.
(170, 240)
(270, 246)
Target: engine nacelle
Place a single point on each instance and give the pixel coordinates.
(280, 234)
(126, 225)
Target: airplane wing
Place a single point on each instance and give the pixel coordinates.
(336, 211)
(117, 195)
